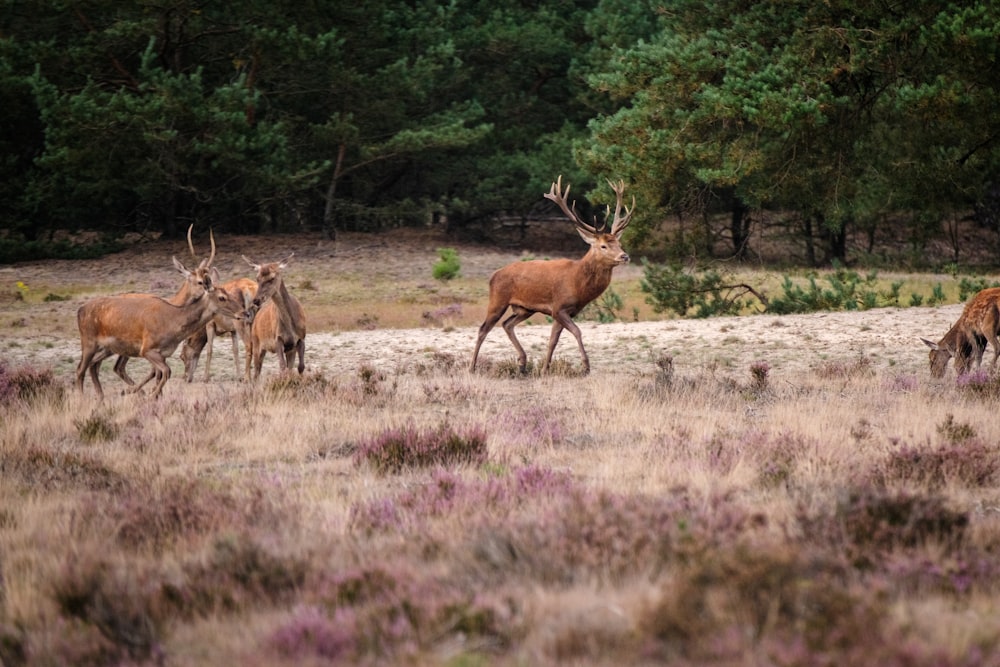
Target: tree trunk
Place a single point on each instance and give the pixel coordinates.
(807, 232)
(739, 225)
(329, 224)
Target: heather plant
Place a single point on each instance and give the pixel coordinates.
(390, 612)
(27, 384)
(113, 597)
(308, 386)
(401, 448)
(238, 571)
(869, 519)
(979, 384)
(955, 432)
(967, 462)
(98, 427)
(447, 494)
(533, 426)
(159, 513)
(52, 468)
(743, 598)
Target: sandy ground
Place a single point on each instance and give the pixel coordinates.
(45, 333)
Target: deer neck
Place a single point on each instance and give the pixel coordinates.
(593, 275)
(194, 314)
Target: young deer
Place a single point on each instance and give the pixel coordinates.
(559, 288)
(193, 287)
(149, 327)
(279, 325)
(221, 325)
(967, 338)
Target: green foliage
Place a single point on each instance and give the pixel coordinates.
(671, 288)
(605, 309)
(968, 287)
(847, 290)
(448, 266)
(19, 250)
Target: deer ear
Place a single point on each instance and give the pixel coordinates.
(933, 346)
(180, 267)
(587, 236)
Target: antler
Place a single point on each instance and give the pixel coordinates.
(620, 223)
(206, 263)
(557, 195)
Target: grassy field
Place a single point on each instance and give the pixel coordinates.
(738, 491)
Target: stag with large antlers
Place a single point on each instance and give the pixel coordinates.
(144, 326)
(559, 288)
(279, 325)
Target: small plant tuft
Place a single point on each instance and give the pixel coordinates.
(448, 266)
(398, 449)
(97, 428)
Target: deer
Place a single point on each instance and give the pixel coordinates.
(279, 323)
(978, 325)
(144, 326)
(192, 288)
(221, 325)
(559, 288)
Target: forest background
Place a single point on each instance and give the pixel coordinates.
(849, 130)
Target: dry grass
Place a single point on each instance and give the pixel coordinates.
(744, 491)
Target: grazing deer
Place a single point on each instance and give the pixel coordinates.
(149, 327)
(279, 325)
(192, 288)
(221, 325)
(967, 338)
(559, 288)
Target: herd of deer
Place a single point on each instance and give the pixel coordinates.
(268, 318)
(261, 313)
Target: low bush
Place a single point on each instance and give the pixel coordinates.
(398, 449)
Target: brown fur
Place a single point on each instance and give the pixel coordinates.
(279, 325)
(559, 288)
(149, 327)
(967, 338)
(220, 325)
(193, 287)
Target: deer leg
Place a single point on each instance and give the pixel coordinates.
(258, 359)
(209, 341)
(245, 337)
(491, 319)
(300, 348)
(95, 371)
(86, 359)
(519, 315)
(563, 318)
(236, 353)
(161, 370)
(557, 329)
(120, 371)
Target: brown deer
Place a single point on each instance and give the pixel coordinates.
(192, 288)
(559, 288)
(221, 325)
(149, 327)
(967, 338)
(279, 323)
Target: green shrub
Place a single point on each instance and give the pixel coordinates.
(448, 266)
